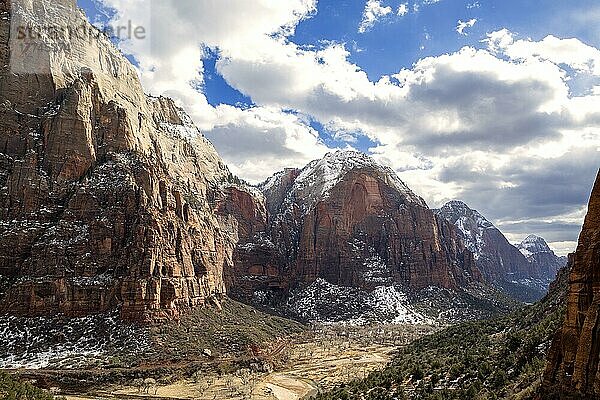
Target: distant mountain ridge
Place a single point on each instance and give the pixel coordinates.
(524, 272)
(538, 253)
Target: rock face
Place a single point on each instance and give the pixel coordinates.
(539, 254)
(106, 195)
(110, 198)
(499, 261)
(573, 366)
(348, 222)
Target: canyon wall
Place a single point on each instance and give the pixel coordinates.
(573, 365)
(107, 195)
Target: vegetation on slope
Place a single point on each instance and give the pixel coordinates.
(501, 358)
(227, 331)
(204, 339)
(12, 389)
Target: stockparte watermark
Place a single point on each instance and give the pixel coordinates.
(43, 32)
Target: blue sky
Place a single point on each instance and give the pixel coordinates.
(500, 113)
(397, 42)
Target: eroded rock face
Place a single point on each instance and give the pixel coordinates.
(573, 367)
(496, 257)
(107, 196)
(521, 273)
(350, 222)
(539, 254)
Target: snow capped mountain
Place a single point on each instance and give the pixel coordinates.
(500, 262)
(315, 181)
(533, 244)
(470, 222)
(538, 253)
(347, 240)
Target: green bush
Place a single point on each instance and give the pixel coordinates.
(13, 389)
(487, 359)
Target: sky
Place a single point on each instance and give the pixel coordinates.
(496, 103)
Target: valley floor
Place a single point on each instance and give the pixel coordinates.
(306, 365)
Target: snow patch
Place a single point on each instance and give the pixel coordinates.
(58, 342)
(317, 179)
(324, 302)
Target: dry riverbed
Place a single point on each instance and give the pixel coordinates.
(315, 361)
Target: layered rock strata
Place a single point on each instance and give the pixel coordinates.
(107, 195)
(574, 358)
(351, 222)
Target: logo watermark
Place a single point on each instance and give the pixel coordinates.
(43, 32)
(83, 32)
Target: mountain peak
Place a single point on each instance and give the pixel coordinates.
(533, 244)
(533, 239)
(455, 210)
(456, 204)
(320, 176)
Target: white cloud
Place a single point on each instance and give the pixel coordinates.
(463, 25)
(171, 57)
(499, 40)
(452, 125)
(374, 10)
(571, 52)
(403, 9)
(261, 140)
(170, 63)
(563, 248)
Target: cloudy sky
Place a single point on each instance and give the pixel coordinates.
(496, 103)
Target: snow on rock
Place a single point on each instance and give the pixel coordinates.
(323, 302)
(272, 181)
(470, 222)
(56, 342)
(533, 244)
(320, 176)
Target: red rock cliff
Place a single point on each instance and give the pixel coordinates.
(106, 195)
(353, 223)
(573, 366)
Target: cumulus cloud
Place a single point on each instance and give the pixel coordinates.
(170, 60)
(461, 26)
(402, 9)
(261, 140)
(374, 10)
(170, 63)
(497, 127)
(571, 52)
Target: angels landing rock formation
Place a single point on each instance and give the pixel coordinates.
(573, 370)
(346, 222)
(106, 194)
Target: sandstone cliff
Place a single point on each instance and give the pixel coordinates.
(573, 365)
(347, 222)
(106, 194)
